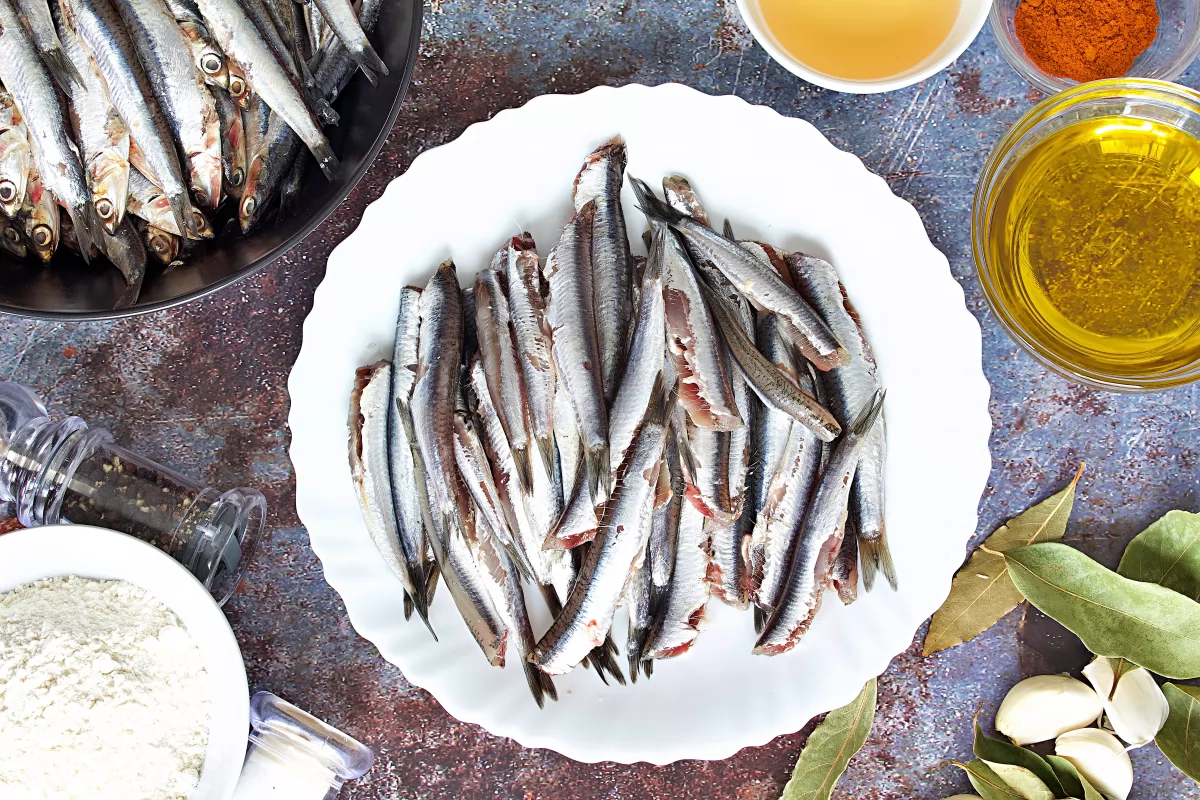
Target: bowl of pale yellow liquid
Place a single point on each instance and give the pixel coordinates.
(1086, 232)
(865, 46)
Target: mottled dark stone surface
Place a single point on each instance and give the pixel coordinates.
(204, 389)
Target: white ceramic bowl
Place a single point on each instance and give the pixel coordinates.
(53, 551)
(971, 18)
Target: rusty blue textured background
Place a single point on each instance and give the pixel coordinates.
(203, 389)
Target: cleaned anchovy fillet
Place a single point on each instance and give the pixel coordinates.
(682, 197)
(588, 614)
(235, 33)
(259, 13)
(572, 319)
(498, 351)
(641, 617)
(758, 282)
(100, 132)
(36, 16)
(677, 622)
(233, 144)
(815, 550)
(664, 532)
(16, 158)
(850, 388)
(54, 154)
(599, 181)
(693, 341)
(403, 454)
(39, 215)
(578, 523)
(439, 347)
(339, 15)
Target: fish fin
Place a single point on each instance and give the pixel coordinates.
(760, 619)
(370, 62)
(728, 231)
(603, 660)
(866, 418)
(875, 557)
(549, 454)
(408, 606)
(85, 234)
(599, 470)
(524, 469)
(432, 573)
(541, 685)
(61, 70)
(651, 206)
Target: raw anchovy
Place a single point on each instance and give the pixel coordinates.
(36, 16)
(751, 277)
(12, 241)
(845, 569)
(289, 187)
(851, 388)
(588, 614)
(106, 40)
(335, 65)
(126, 250)
(269, 166)
(233, 143)
(256, 121)
(641, 617)
(693, 341)
(162, 245)
(599, 182)
(16, 158)
(785, 495)
(179, 89)
(664, 531)
(101, 134)
(54, 154)
(815, 550)
(527, 309)
(682, 197)
(237, 36)
(707, 474)
(239, 85)
(439, 347)
(209, 59)
(499, 355)
(578, 523)
(39, 215)
(677, 622)
(413, 543)
(645, 363)
(768, 382)
(265, 24)
(148, 202)
(339, 15)
(571, 315)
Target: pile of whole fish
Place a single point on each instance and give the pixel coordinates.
(137, 119)
(704, 422)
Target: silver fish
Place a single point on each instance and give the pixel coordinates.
(677, 622)
(588, 614)
(54, 154)
(572, 319)
(761, 285)
(599, 181)
(814, 551)
(148, 202)
(851, 388)
(100, 132)
(16, 158)
(36, 16)
(233, 144)
(235, 33)
(259, 13)
(340, 17)
(403, 455)
(498, 351)
(39, 215)
(664, 531)
(450, 518)
(104, 36)
(335, 65)
(126, 250)
(641, 617)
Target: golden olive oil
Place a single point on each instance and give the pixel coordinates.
(860, 39)
(1095, 238)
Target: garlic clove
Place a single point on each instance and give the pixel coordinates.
(1040, 708)
(1101, 758)
(1138, 708)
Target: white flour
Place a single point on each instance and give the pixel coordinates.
(103, 695)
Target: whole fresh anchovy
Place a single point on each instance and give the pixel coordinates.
(235, 33)
(815, 550)
(845, 569)
(572, 319)
(641, 617)
(599, 182)
(750, 276)
(233, 143)
(160, 244)
(851, 388)
(527, 310)
(16, 158)
(664, 530)
(106, 39)
(677, 621)
(784, 500)
(498, 351)
(12, 241)
(39, 215)
(403, 455)
(453, 528)
(179, 89)
(268, 167)
(335, 65)
(126, 250)
(54, 155)
(693, 342)
(100, 132)
(148, 202)
(36, 16)
(588, 614)
(339, 15)
(209, 59)
(276, 38)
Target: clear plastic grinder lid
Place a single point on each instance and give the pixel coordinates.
(279, 724)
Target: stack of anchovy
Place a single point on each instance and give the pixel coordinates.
(655, 432)
(125, 124)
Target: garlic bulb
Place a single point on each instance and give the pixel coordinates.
(1138, 708)
(1101, 758)
(1040, 708)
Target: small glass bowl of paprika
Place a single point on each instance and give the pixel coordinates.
(1057, 44)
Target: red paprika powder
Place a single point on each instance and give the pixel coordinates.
(1086, 40)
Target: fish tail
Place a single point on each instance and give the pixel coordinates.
(62, 70)
(549, 454)
(541, 685)
(408, 607)
(603, 658)
(524, 469)
(599, 470)
(728, 231)
(369, 61)
(635, 646)
(651, 206)
(422, 597)
(876, 557)
(866, 418)
(760, 619)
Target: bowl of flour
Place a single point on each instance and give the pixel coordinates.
(120, 678)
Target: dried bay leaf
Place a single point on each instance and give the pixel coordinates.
(831, 746)
(1167, 553)
(1001, 754)
(1147, 624)
(1022, 781)
(1179, 739)
(982, 592)
(985, 780)
(1075, 784)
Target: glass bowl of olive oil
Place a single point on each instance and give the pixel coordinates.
(1086, 232)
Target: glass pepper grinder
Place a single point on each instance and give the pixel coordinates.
(65, 471)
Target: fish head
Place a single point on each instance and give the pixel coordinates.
(15, 163)
(239, 87)
(43, 234)
(254, 195)
(205, 174)
(108, 178)
(212, 66)
(198, 226)
(162, 245)
(12, 242)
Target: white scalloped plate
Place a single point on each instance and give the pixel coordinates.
(777, 179)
